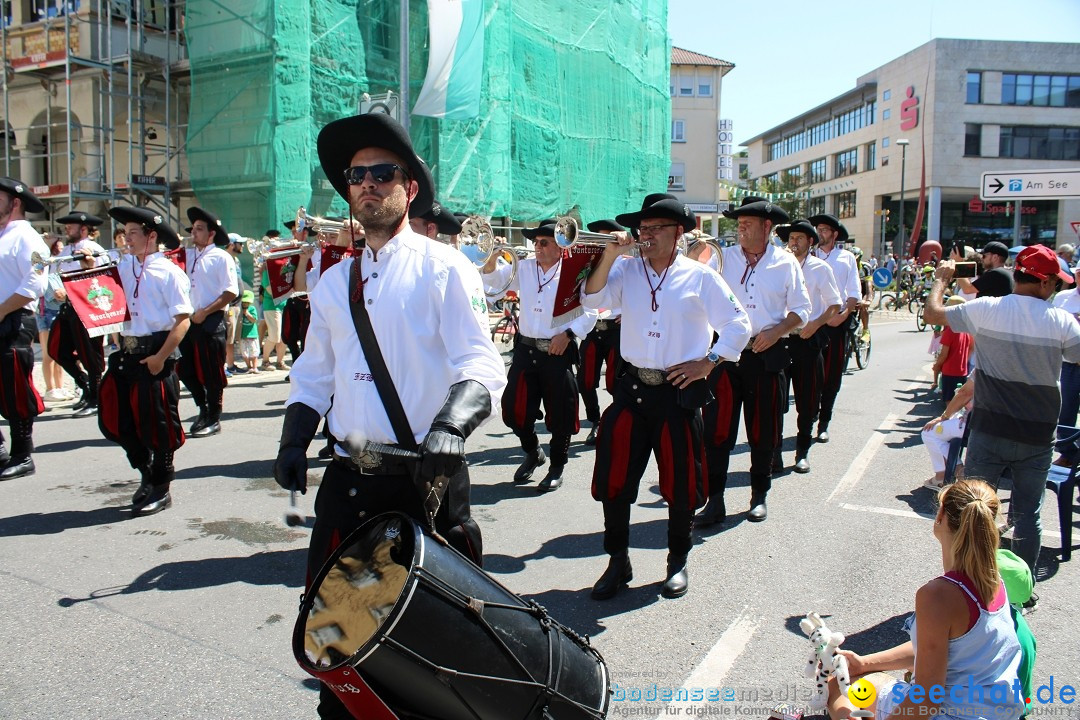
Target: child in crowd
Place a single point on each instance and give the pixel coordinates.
(937, 433)
(249, 331)
(952, 359)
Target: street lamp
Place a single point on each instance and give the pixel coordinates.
(901, 239)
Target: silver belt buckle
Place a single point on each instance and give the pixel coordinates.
(131, 344)
(601, 324)
(650, 376)
(543, 345)
(367, 461)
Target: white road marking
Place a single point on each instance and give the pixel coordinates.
(862, 461)
(911, 514)
(716, 664)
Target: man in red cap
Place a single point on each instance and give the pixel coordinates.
(1022, 341)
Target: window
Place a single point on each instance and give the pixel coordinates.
(885, 142)
(817, 171)
(704, 86)
(972, 140)
(793, 175)
(678, 131)
(886, 94)
(886, 114)
(1040, 90)
(850, 121)
(846, 163)
(871, 156)
(686, 86)
(815, 206)
(974, 88)
(845, 205)
(677, 177)
(672, 85)
(1039, 143)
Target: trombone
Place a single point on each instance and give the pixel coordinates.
(569, 234)
(704, 248)
(269, 252)
(478, 242)
(41, 263)
(318, 224)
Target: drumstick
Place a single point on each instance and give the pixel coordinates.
(293, 516)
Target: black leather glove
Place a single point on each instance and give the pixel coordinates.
(297, 429)
(443, 451)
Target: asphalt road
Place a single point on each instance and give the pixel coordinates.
(188, 614)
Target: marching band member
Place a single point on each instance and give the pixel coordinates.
(445, 368)
(20, 402)
(846, 273)
(69, 343)
(297, 311)
(671, 305)
(542, 368)
(805, 347)
(769, 284)
(212, 276)
(140, 393)
(600, 346)
(436, 221)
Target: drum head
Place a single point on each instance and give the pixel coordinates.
(356, 590)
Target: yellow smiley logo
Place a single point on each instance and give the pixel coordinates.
(862, 694)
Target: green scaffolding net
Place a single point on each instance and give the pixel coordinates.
(575, 110)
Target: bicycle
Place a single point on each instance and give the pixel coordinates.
(507, 326)
(858, 344)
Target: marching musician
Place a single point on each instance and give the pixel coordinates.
(671, 305)
(768, 282)
(846, 273)
(140, 390)
(70, 345)
(444, 366)
(20, 402)
(805, 347)
(542, 368)
(212, 275)
(436, 221)
(600, 346)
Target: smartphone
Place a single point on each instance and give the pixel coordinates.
(964, 270)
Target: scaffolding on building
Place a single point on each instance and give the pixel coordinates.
(126, 61)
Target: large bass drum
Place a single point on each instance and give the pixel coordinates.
(436, 637)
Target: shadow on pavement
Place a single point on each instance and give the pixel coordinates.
(578, 611)
(247, 469)
(65, 445)
(58, 522)
(886, 634)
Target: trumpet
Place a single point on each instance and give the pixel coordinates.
(272, 253)
(478, 242)
(569, 234)
(318, 224)
(699, 246)
(265, 245)
(41, 263)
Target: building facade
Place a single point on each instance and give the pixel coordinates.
(701, 142)
(948, 111)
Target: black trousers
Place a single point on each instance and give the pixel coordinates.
(81, 356)
(20, 402)
(536, 377)
(295, 319)
(202, 361)
(598, 347)
(754, 387)
(347, 499)
(807, 379)
(835, 355)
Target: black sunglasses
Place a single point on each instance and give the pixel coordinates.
(381, 173)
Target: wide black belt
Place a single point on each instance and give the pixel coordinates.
(375, 464)
(649, 376)
(605, 325)
(541, 344)
(142, 344)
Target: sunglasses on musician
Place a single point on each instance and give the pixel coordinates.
(381, 173)
(652, 230)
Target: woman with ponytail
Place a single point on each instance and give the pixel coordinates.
(963, 648)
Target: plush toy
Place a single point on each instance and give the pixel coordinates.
(824, 661)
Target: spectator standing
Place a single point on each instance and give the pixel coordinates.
(272, 316)
(48, 308)
(952, 358)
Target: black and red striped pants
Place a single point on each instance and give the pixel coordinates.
(598, 347)
(807, 380)
(835, 358)
(139, 411)
(202, 361)
(537, 377)
(20, 401)
(755, 388)
(643, 421)
(295, 319)
(81, 356)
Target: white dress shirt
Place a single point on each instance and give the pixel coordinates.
(692, 302)
(821, 285)
(1069, 301)
(845, 270)
(18, 242)
(81, 245)
(771, 289)
(428, 310)
(163, 293)
(536, 289)
(211, 272)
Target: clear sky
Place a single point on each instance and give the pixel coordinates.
(793, 55)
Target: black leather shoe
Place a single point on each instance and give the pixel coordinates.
(591, 440)
(822, 435)
(713, 513)
(207, 430)
(17, 467)
(82, 402)
(532, 461)
(801, 463)
(551, 481)
(199, 424)
(758, 511)
(777, 461)
(158, 499)
(618, 573)
(678, 580)
(143, 491)
(326, 452)
(87, 410)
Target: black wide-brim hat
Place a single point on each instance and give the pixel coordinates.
(445, 221)
(221, 235)
(340, 140)
(80, 218)
(545, 228)
(30, 201)
(753, 206)
(802, 226)
(605, 225)
(653, 198)
(831, 221)
(667, 208)
(151, 220)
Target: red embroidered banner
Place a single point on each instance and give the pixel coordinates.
(280, 272)
(98, 298)
(577, 263)
(178, 256)
(332, 255)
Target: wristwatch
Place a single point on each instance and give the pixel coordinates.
(713, 358)
(570, 334)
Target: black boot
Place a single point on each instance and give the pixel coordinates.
(758, 511)
(618, 573)
(714, 513)
(19, 463)
(145, 486)
(159, 497)
(199, 424)
(802, 465)
(553, 479)
(90, 408)
(591, 440)
(777, 461)
(823, 432)
(560, 454)
(532, 461)
(212, 425)
(678, 580)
